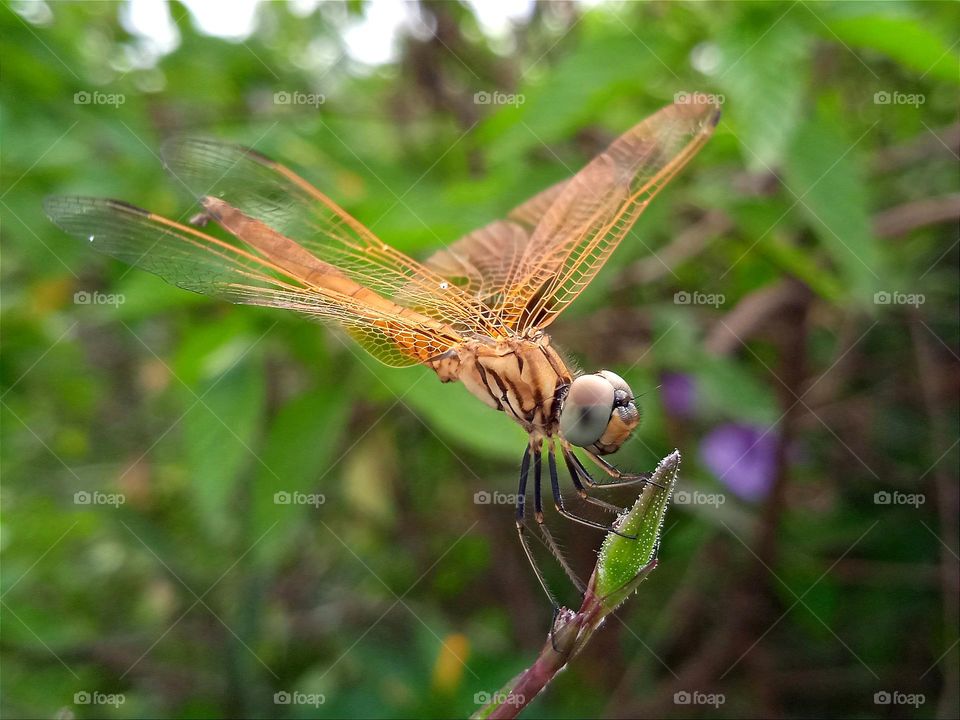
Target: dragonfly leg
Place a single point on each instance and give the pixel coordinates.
(558, 499)
(538, 513)
(576, 471)
(522, 530)
(622, 479)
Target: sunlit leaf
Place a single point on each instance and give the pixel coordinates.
(825, 182)
(298, 457)
(763, 75)
(907, 40)
(219, 436)
(455, 416)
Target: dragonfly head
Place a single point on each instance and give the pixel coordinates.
(598, 412)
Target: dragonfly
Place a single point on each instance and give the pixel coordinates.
(475, 311)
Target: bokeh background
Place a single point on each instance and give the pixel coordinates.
(787, 309)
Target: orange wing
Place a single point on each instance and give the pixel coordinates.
(271, 270)
(274, 196)
(481, 263)
(484, 261)
(554, 244)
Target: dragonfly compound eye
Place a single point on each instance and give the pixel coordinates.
(599, 412)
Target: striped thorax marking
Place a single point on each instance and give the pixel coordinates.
(524, 378)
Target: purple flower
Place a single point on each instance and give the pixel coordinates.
(679, 393)
(743, 457)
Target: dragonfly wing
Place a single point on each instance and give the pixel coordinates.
(532, 211)
(275, 196)
(271, 271)
(581, 221)
(482, 261)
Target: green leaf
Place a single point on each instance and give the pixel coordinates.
(824, 180)
(731, 389)
(219, 431)
(599, 70)
(795, 261)
(764, 80)
(454, 414)
(905, 39)
(726, 387)
(206, 349)
(623, 560)
(145, 295)
(297, 458)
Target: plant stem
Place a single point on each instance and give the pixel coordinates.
(623, 563)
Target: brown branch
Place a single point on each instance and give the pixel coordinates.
(752, 313)
(928, 143)
(901, 219)
(689, 243)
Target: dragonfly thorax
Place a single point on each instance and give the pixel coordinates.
(528, 380)
(525, 379)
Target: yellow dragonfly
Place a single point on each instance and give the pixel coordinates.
(474, 312)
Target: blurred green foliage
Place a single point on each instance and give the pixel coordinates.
(202, 595)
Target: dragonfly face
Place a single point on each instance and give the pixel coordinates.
(598, 412)
(474, 312)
